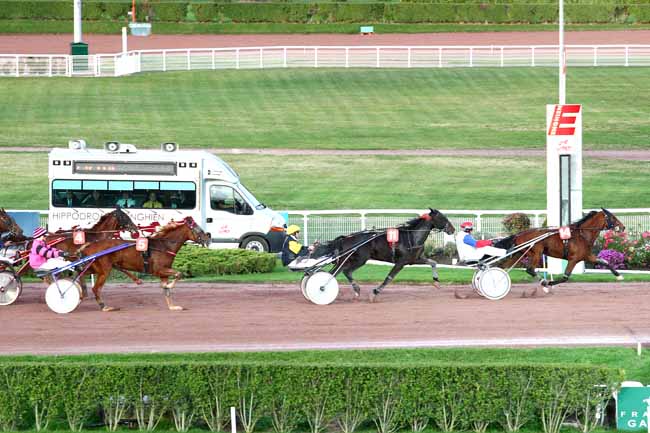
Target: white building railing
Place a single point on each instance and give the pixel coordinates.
(324, 225)
(101, 65)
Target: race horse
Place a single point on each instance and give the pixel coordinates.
(373, 244)
(157, 260)
(109, 226)
(10, 229)
(575, 249)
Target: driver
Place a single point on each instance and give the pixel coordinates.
(43, 257)
(291, 248)
(471, 249)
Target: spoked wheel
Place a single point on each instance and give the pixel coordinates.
(63, 296)
(303, 286)
(11, 286)
(494, 283)
(475, 278)
(322, 288)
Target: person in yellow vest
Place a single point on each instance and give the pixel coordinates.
(291, 248)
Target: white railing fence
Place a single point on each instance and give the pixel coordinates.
(325, 225)
(101, 65)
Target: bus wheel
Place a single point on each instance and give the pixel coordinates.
(255, 243)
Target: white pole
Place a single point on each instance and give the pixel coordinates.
(77, 21)
(638, 348)
(233, 420)
(562, 56)
(124, 45)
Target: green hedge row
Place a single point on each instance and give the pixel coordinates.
(514, 11)
(298, 397)
(194, 261)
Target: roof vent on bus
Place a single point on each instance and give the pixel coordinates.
(116, 147)
(77, 144)
(169, 147)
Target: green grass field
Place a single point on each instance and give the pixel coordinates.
(326, 108)
(388, 182)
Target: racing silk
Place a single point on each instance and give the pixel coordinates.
(291, 249)
(41, 253)
(468, 247)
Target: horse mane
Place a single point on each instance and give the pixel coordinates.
(164, 230)
(585, 218)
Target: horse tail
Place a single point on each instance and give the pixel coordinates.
(506, 243)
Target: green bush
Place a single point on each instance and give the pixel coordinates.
(455, 397)
(194, 261)
(516, 222)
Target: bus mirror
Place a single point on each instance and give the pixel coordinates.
(169, 147)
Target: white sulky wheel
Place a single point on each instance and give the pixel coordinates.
(303, 286)
(63, 296)
(322, 288)
(10, 287)
(475, 278)
(494, 283)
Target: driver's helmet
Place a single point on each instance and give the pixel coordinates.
(38, 232)
(467, 226)
(292, 229)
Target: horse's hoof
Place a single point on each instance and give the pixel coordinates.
(138, 281)
(372, 298)
(458, 295)
(524, 294)
(436, 284)
(620, 278)
(176, 308)
(108, 309)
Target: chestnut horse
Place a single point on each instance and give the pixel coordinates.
(157, 260)
(373, 244)
(108, 226)
(576, 249)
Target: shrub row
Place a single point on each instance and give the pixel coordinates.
(291, 397)
(325, 13)
(194, 261)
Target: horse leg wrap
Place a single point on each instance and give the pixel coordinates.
(167, 291)
(101, 304)
(356, 288)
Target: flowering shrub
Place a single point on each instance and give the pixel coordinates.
(635, 253)
(516, 222)
(613, 257)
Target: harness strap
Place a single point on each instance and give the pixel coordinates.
(565, 252)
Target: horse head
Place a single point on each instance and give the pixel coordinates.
(611, 222)
(197, 233)
(116, 220)
(9, 225)
(440, 221)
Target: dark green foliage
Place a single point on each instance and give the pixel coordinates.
(408, 11)
(516, 222)
(194, 261)
(451, 396)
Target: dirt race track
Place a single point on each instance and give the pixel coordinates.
(229, 317)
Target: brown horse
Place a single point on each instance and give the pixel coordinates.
(10, 228)
(576, 249)
(157, 260)
(108, 226)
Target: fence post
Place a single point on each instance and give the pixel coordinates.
(363, 221)
(284, 57)
(347, 57)
(596, 56)
(189, 63)
(478, 222)
(627, 52)
(17, 67)
(233, 420)
(315, 57)
(164, 60)
(409, 57)
(440, 57)
(533, 56)
(237, 58)
(49, 67)
(261, 58)
(502, 57)
(214, 65)
(377, 51)
(305, 221)
(471, 57)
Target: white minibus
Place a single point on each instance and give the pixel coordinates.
(159, 186)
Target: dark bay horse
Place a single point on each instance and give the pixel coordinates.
(157, 261)
(576, 249)
(8, 226)
(408, 250)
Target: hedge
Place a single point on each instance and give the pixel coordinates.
(453, 397)
(441, 11)
(194, 261)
